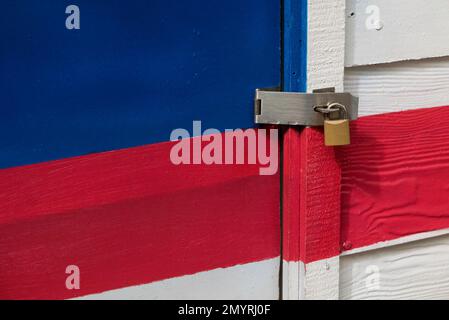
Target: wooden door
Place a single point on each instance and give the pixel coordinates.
(90, 203)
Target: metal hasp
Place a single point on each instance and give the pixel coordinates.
(292, 108)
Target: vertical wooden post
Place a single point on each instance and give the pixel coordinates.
(294, 80)
(314, 37)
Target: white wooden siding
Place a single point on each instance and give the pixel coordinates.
(400, 86)
(416, 270)
(400, 62)
(408, 29)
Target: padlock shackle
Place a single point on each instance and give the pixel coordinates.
(339, 108)
(331, 108)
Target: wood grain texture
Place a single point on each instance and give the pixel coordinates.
(251, 281)
(410, 29)
(320, 279)
(325, 44)
(399, 86)
(395, 176)
(127, 218)
(319, 198)
(290, 194)
(311, 281)
(417, 270)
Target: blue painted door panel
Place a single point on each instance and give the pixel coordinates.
(136, 70)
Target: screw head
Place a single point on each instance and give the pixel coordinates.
(347, 245)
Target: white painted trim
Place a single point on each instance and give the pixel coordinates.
(290, 280)
(400, 86)
(414, 270)
(315, 280)
(399, 241)
(325, 44)
(322, 279)
(407, 29)
(254, 281)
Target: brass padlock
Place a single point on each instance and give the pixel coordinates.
(336, 131)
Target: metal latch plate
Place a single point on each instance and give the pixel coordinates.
(292, 108)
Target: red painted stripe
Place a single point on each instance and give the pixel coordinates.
(311, 197)
(129, 217)
(394, 183)
(395, 176)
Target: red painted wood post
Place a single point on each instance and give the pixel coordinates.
(311, 174)
(311, 204)
(319, 210)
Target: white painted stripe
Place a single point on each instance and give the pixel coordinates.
(416, 270)
(409, 29)
(255, 281)
(399, 241)
(400, 86)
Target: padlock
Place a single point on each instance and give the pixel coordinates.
(336, 132)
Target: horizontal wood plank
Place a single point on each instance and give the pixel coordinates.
(380, 31)
(395, 176)
(400, 86)
(417, 270)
